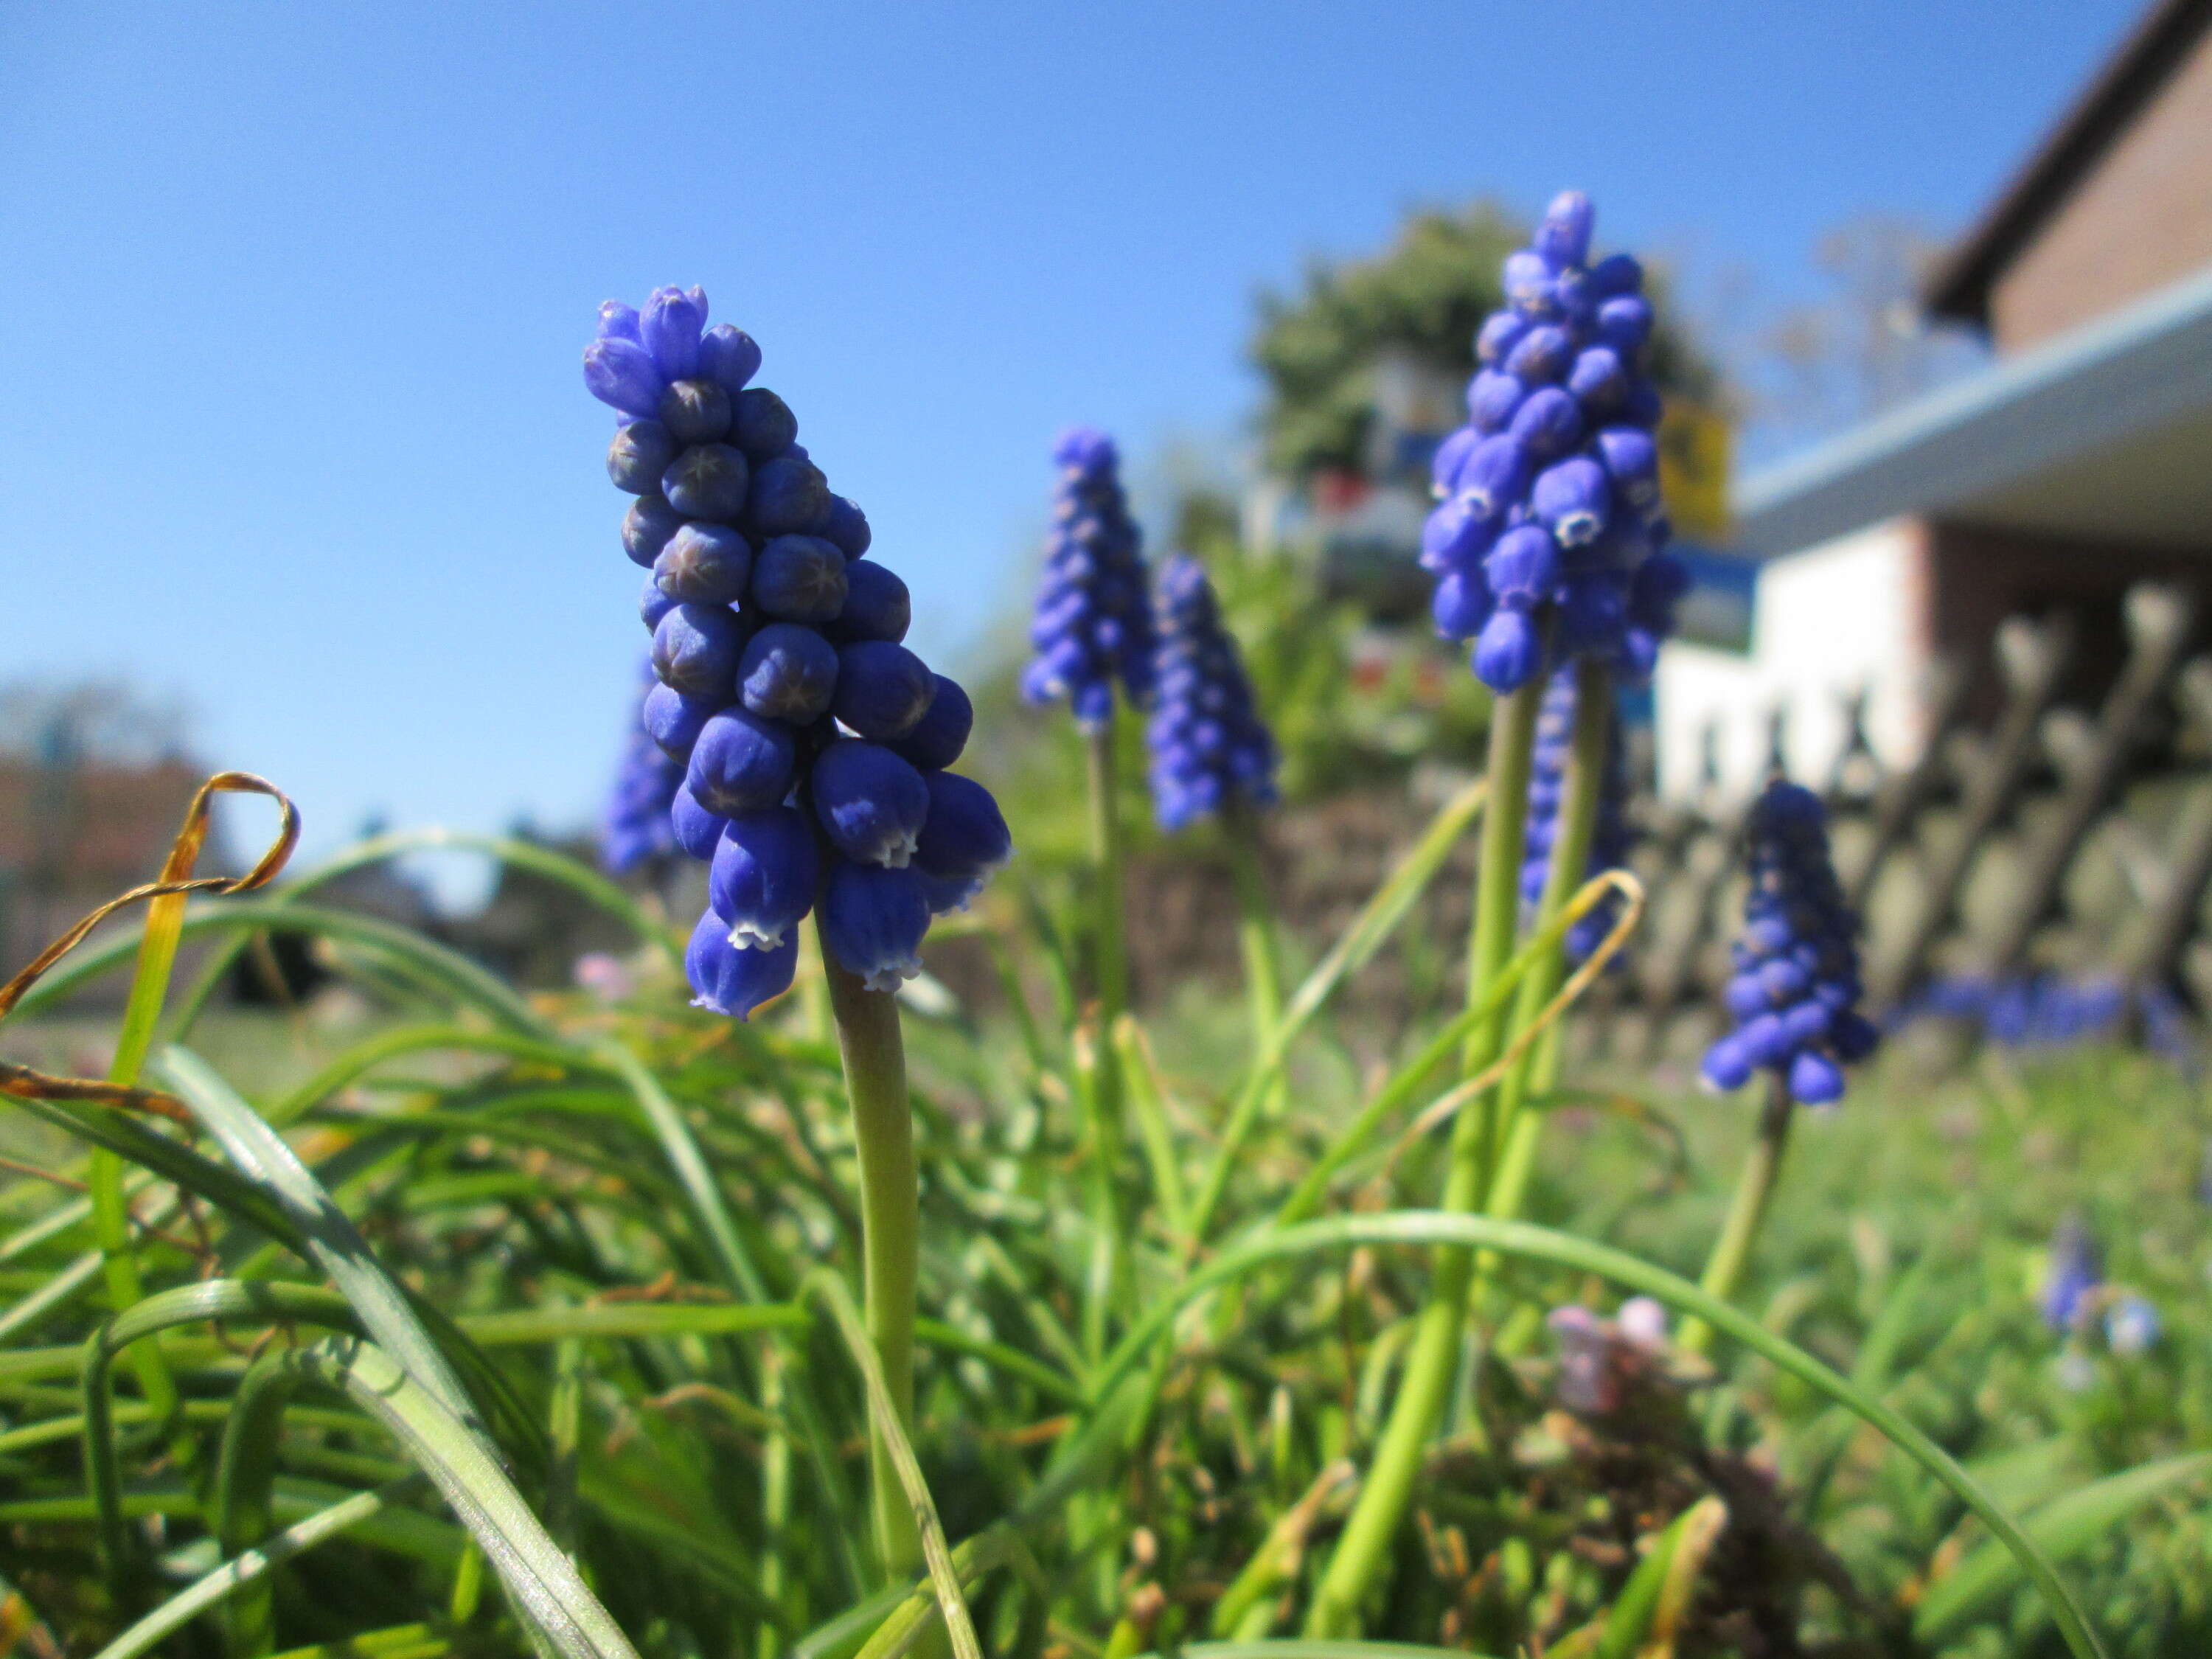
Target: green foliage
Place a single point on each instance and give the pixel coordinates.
(1425, 295)
(586, 1258)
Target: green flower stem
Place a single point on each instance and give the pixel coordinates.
(1256, 932)
(1753, 1190)
(1375, 1520)
(1111, 961)
(890, 1230)
(1514, 1153)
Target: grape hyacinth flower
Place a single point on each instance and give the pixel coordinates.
(809, 742)
(1548, 506)
(1210, 748)
(1796, 991)
(1093, 624)
(637, 828)
(2132, 1326)
(1611, 838)
(2072, 1276)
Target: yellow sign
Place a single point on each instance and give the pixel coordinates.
(1695, 447)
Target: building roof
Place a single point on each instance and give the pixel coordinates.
(2103, 433)
(1959, 287)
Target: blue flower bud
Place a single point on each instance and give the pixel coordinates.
(707, 481)
(789, 672)
(1500, 332)
(1491, 397)
(1445, 463)
(640, 454)
(1509, 652)
(1853, 1035)
(1493, 478)
(1093, 622)
(1572, 498)
(1625, 324)
(1550, 422)
(1455, 535)
(698, 831)
(765, 870)
(942, 732)
(846, 527)
(741, 764)
(946, 894)
(1631, 461)
(674, 720)
(1563, 237)
(1745, 996)
(728, 357)
(789, 497)
(696, 411)
(872, 921)
(732, 981)
(965, 836)
(800, 579)
(617, 321)
(1524, 567)
(696, 648)
(647, 527)
(1727, 1068)
(1617, 273)
(870, 803)
(1597, 380)
(883, 689)
(762, 423)
(669, 326)
(876, 604)
(654, 604)
(704, 564)
(1529, 282)
(1815, 1080)
(1543, 355)
(1461, 604)
(620, 371)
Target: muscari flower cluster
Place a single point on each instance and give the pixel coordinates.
(1550, 493)
(1796, 991)
(1611, 838)
(814, 744)
(1209, 747)
(1093, 624)
(637, 827)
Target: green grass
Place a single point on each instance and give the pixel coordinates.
(578, 1312)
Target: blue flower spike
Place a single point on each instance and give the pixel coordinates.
(638, 827)
(1092, 629)
(1611, 836)
(1796, 991)
(1209, 747)
(790, 741)
(1548, 498)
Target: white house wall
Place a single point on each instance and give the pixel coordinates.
(1826, 621)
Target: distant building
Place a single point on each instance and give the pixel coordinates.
(2078, 463)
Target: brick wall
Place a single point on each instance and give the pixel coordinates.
(2142, 219)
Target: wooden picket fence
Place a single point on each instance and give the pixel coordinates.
(2030, 836)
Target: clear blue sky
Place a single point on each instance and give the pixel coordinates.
(290, 419)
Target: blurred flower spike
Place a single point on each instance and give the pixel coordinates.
(1796, 991)
(1093, 624)
(1548, 521)
(814, 744)
(1210, 748)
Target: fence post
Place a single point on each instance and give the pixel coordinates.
(2032, 659)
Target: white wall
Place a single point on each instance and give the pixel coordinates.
(1847, 613)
